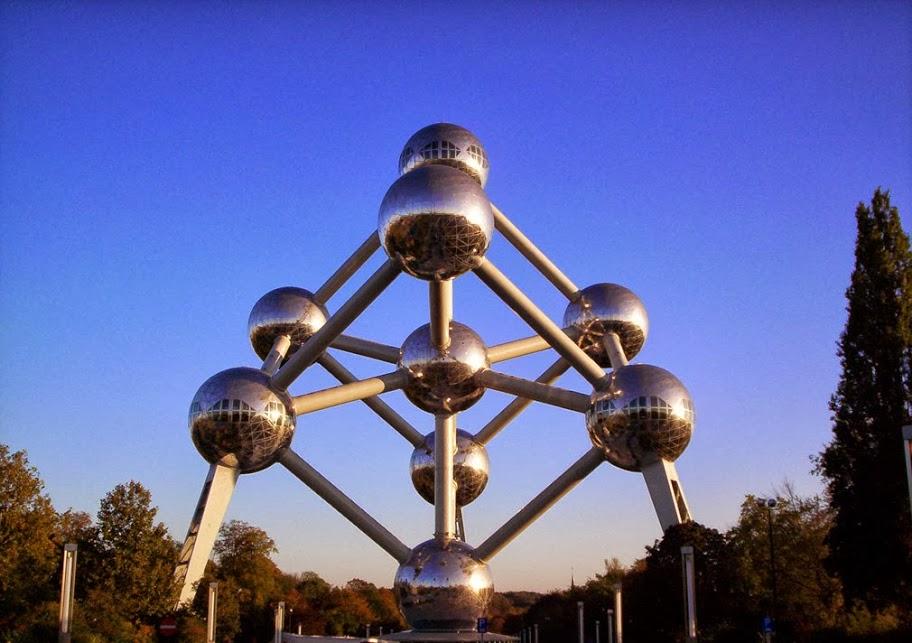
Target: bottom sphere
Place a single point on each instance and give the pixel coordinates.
(443, 587)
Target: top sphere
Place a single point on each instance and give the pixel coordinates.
(607, 308)
(446, 144)
(238, 420)
(436, 222)
(284, 311)
(641, 415)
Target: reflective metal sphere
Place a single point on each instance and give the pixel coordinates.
(445, 144)
(284, 311)
(642, 414)
(470, 468)
(443, 588)
(436, 222)
(238, 420)
(607, 308)
(443, 382)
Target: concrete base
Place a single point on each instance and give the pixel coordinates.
(446, 637)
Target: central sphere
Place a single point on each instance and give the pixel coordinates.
(445, 144)
(443, 382)
(238, 420)
(470, 468)
(607, 308)
(436, 222)
(443, 587)
(284, 311)
(641, 415)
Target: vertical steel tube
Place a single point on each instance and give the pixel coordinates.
(618, 614)
(444, 485)
(579, 621)
(212, 613)
(690, 594)
(539, 322)
(67, 593)
(440, 296)
(535, 256)
(308, 353)
(348, 268)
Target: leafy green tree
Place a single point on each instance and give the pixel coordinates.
(132, 580)
(28, 554)
(871, 538)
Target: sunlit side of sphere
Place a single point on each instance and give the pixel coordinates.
(642, 414)
(238, 420)
(444, 382)
(284, 311)
(607, 308)
(446, 144)
(443, 587)
(436, 222)
(470, 468)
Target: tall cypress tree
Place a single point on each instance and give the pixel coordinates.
(864, 467)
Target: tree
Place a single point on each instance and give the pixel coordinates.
(132, 580)
(871, 538)
(28, 555)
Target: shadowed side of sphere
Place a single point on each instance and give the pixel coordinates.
(446, 144)
(643, 413)
(443, 382)
(607, 308)
(436, 222)
(470, 468)
(443, 587)
(284, 311)
(238, 420)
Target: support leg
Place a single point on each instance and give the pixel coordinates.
(666, 493)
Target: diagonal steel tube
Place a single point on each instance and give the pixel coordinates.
(517, 406)
(616, 354)
(349, 267)
(344, 505)
(350, 392)
(535, 256)
(540, 323)
(540, 504)
(308, 353)
(279, 348)
(366, 348)
(534, 390)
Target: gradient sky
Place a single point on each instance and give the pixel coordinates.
(164, 164)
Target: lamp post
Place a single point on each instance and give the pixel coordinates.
(609, 623)
(690, 593)
(770, 504)
(907, 448)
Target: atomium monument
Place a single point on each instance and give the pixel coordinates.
(436, 224)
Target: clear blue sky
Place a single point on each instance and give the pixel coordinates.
(164, 164)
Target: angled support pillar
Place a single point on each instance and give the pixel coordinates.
(666, 493)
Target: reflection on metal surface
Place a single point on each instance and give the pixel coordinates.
(444, 382)
(436, 222)
(643, 413)
(443, 587)
(607, 308)
(470, 468)
(238, 420)
(284, 311)
(445, 144)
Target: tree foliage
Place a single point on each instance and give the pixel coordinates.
(863, 464)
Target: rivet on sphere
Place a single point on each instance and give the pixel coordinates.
(284, 311)
(443, 587)
(607, 308)
(642, 414)
(436, 222)
(446, 382)
(446, 144)
(238, 420)
(470, 468)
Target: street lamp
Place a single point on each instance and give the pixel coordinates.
(907, 448)
(770, 504)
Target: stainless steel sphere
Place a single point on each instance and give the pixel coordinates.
(643, 413)
(470, 468)
(436, 222)
(443, 382)
(445, 144)
(443, 587)
(284, 311)
(238, 420)
(607, 308)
